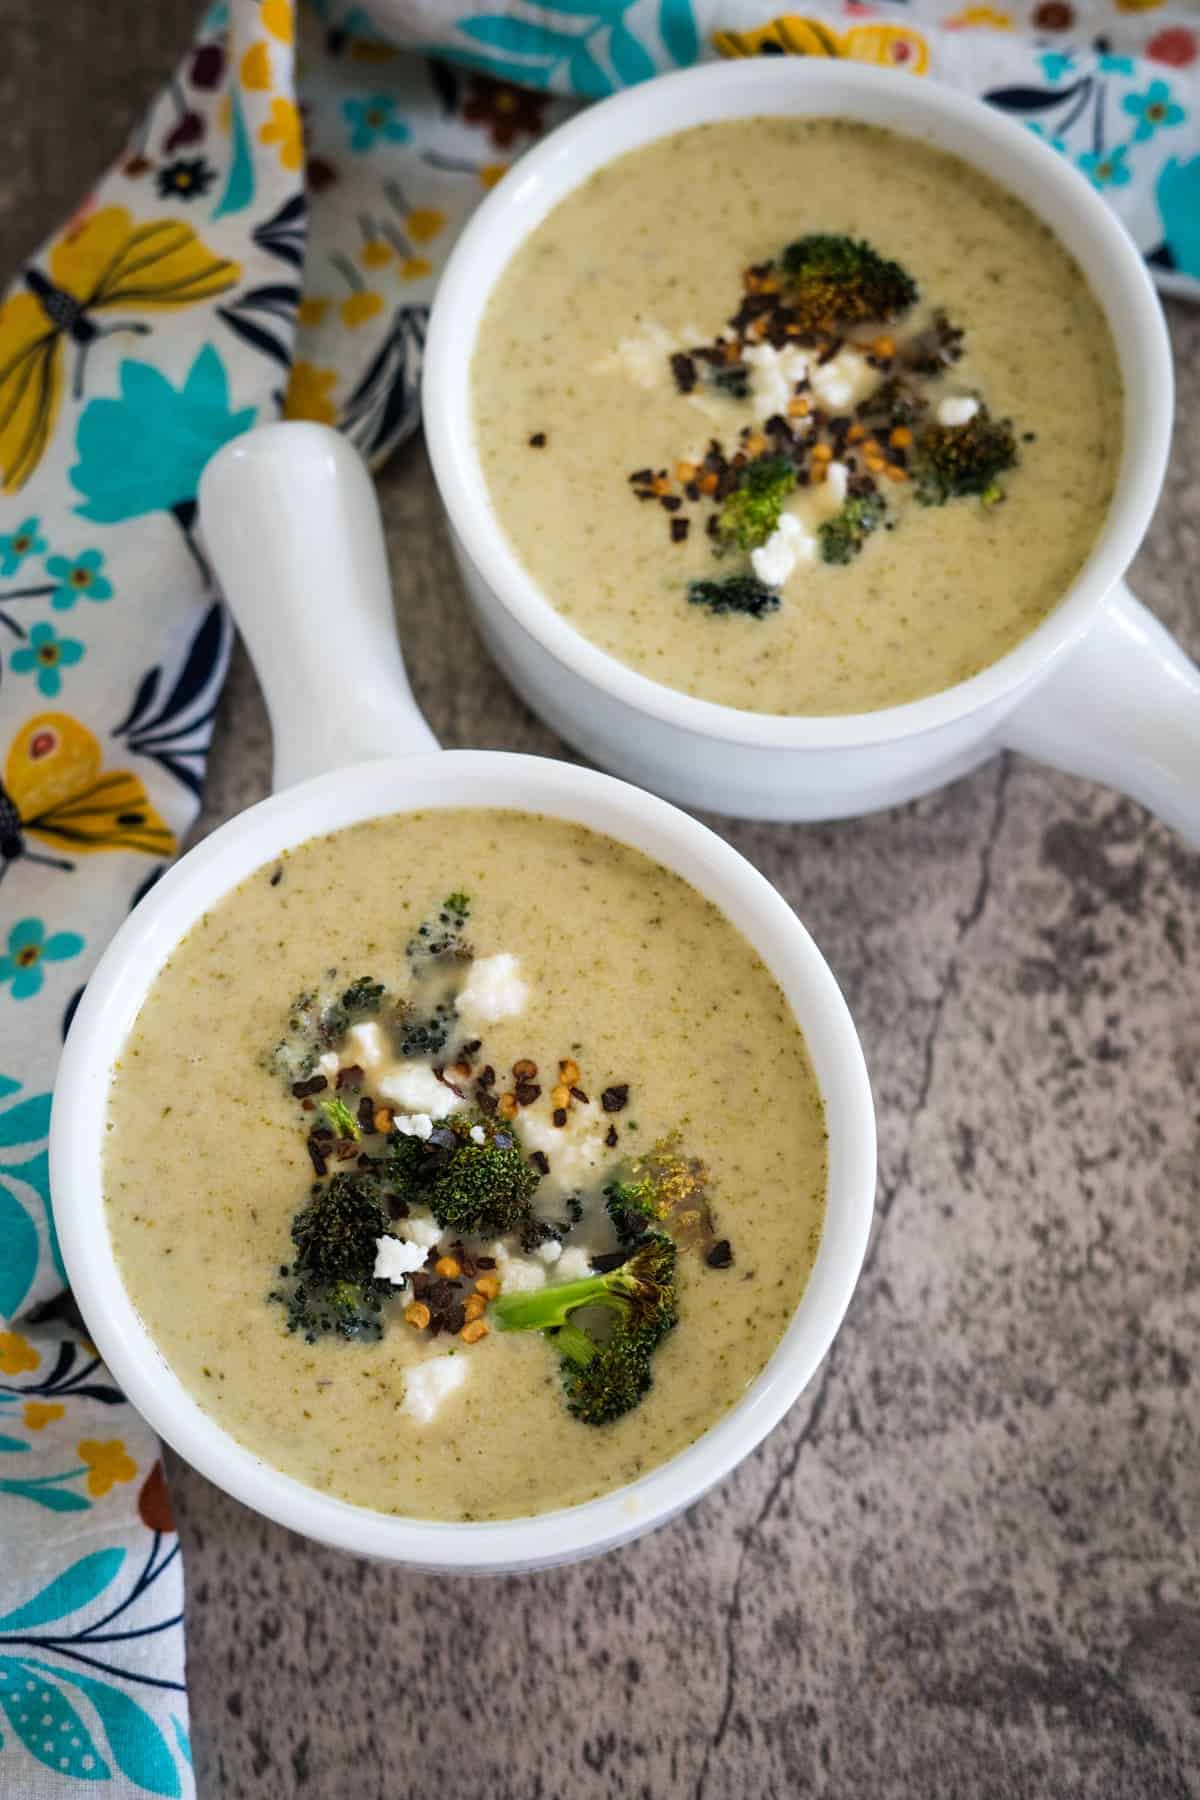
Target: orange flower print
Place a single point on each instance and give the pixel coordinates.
(108, 1462)
(256, 68)
(424, 223)
(37, 1414)
(277, 18)
(17, 1354)
(309, 394)
(283, 128)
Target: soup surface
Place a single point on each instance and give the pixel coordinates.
(628, 981)
(629, 354)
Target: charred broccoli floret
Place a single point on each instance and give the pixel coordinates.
(605, 1329)
(471, 1172)
(842, 537)
(951, 461)
(751, 512)
(318, 1020)
(841, 281)
(735, 594)
(331, 1285)
(441, 937)
(664, 1187)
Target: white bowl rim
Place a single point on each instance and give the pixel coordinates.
(372, 790)
(676, 102)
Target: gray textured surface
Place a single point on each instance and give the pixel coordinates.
(966, 1565)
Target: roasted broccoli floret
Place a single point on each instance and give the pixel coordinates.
(317, 1021)
(842, 281)
(735, 594)
(951, 461)
(751, 512)
(481, 1183)
(442, 936)
(605, 1328)
(842, 537)
(331, 1286)
(425, 1033)
(664, 1187)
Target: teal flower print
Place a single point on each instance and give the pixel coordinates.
(44, 655)
(78, 578)
(28, 949)
(1106, 168)
(16, 545)
(1154, 111)
(1115, 65)
(1055, 143)
(144, 452)
(1056, 64)
(372, 119)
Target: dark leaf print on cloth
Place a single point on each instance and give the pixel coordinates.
(265, 318)
(385, 405)
(176, 733)
(284, 234)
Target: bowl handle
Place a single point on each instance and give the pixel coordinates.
(1124, 708)
(291, 525)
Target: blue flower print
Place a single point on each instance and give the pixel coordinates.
(28, 949)
(16, 545)
(1107, 168)
(372, 119)
(78, 578)
(1154, 110)
(1039, 130)
(1056, 64)
(44, 655)
(1115, 65)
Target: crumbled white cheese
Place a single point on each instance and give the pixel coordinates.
(713, 407)
(367, 1045)
(328, 1065)
(415, 1087)
(478, 1135)
(430, 1383)
(573, 1265)
(518, 1274)
(837, 478)
(956, 409)
(420, 1228)
(396, 1258)
(787, 545)
(493, 990)
(418, 1125)
(844, 380)
(645, 358)
(574, 1150)
(773, 377)
(550, 1251)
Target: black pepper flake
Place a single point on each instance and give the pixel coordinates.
(351, 1077)
(486, 1076)
(366, 1113)
(684, 371)
(486, 1102)
(316, 1085)
(346, 1149)
(538, 441)
(470, 1048)
(679, 530)
(670, 502)
(615, 1098)
(317, 1159)
(526, 1092)
(540, 1161)
(610, 1137)
(577, 1093)
(721, 1255)
(641, 478)
(397, 1208)
(277, 877)
(560, 1116)
(485, 1262)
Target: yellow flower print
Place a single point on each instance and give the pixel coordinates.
(360, 307)
(108, 1462)
(37, 1414)
(376, 253)
(309, 394)
(1136, 6)
(895, 46)
(312, 311)
(255, 69)
(225, 111)
(977, 18)
(415, 268)
(277, 18)
(283, 128)
(424, 223)
(17, 1354)
(491, 173)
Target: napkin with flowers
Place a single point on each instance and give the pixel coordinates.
(269, 243)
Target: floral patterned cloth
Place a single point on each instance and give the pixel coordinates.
(269, 242)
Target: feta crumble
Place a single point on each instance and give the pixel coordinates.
(518, 1274)
(415, 1087)
(328, 1065)
(573, 1265)
(550, 1251)
(644, 358)
(429, 1384)
(420, 1228)
(844, 380)
(837, 477)
(787, 545)
(367, 1045)
(574, 1150)
(396, 1258)
(493, 990)
(956, 409)
(418, 1125)
(773, 377)
(477, 1134)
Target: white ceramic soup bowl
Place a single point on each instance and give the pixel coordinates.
(290, 521)
(1099, 688)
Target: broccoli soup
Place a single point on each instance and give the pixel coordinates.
(465, 1164)
(797, 415)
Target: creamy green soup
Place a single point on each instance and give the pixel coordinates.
(596, 436)
(593, 976)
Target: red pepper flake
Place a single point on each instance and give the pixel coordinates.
(474, 1045)
(610, 1137)
(485, 1262)
(721, 1255)
(615, 1098)
(540, 1161)
(485, 1101)
(486, 1076)
(351, 1077)
(679, 530)
(577, 1093)
(318, 1160)
(366, 1113)
(560, 1116)
(526, 1092)
(538, 441)
(317, 1085)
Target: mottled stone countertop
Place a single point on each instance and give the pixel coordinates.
(967, 1563)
